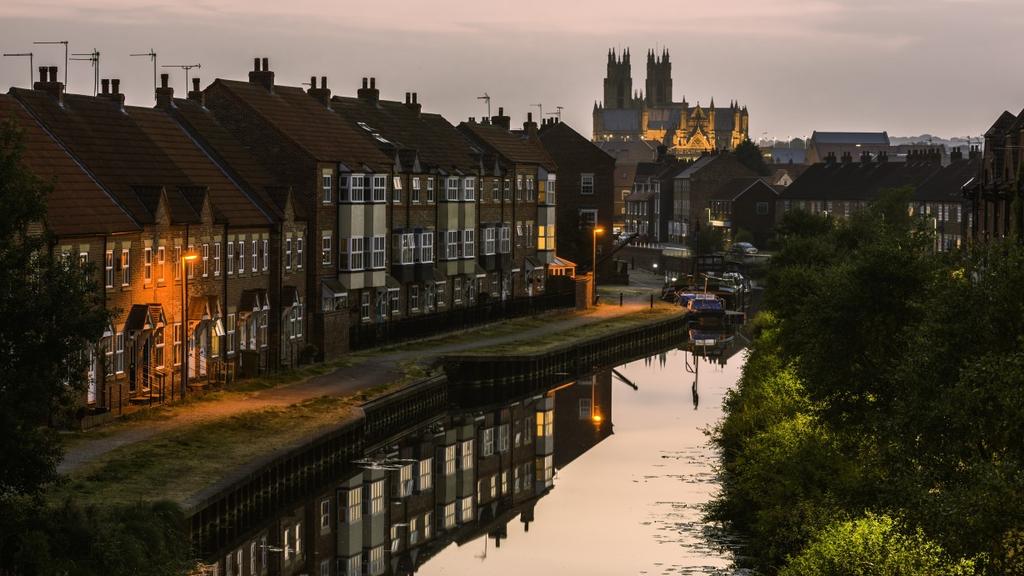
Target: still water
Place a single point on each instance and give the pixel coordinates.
(602, 474)
(630, 503)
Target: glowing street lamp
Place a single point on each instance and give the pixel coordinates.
(597, 230)
(187, 258)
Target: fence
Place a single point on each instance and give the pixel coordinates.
(364, 336)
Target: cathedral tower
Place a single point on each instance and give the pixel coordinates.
(659, 79)
(618, 82)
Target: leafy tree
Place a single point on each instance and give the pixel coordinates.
(749, 154)
(874, 546)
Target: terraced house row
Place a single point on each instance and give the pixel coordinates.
(251, 226)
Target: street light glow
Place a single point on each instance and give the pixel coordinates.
(191, 257)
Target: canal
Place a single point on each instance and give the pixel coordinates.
(606, 473)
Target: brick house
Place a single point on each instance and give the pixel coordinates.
(340, 182)
(998, 183)
(744, 204)
(586, 193)
(528, 215)
(691, 188)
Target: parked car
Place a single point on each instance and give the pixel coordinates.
(744, 248)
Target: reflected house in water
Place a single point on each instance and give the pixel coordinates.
(463, 475)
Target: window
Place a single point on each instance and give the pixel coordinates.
(288, 254)
(264, 340)
(548, 196)
(504, 482)
(378, 252)
(545, 423)
(546, 237)
(158, 341)
(762, 208)
(376, 563)
(216, 258)
(298, 252)
(147, 265)
(358, 188)
(298, 538)
(353, 566)
(326, 186)
(393, 299)
(364, 305)
(396, 189)
(507, 190)
(407, 247)
(177, 262)
(519, 187)
(487, 444)
(441, 298)
(466, 509)
(414, 297)
(325, 516)
(527, 427)
(467, 455)
(415, 189)
(252, 558)
(588, 217)
(125, 267)
(325, 247)
(449, 516)
(452, 189)
(428, 525)
(377, 497)
(452, 251)
(506, 239)
(457, 289)
(426, 247)
(231, 333)
(286, 539)
(380, 187)
(469, 188)
(430, 190)
(495, 190)
(325, 568)
(586, 184)
(177, 334)
(586, 409)
(119, 353)
(231, 257)
(191, 266)
(449, 460)
(353, 500)
(405, 483)
(489, 243)
(241, 256)
(423, 474)
(355, 253)
(414, 534)
(254, 256)
(503, 438)
(469, 238)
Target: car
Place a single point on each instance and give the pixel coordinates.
(744, 248)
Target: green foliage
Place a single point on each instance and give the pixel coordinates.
(743, 235)
(708, 240)
(749, 154)
(874, 546)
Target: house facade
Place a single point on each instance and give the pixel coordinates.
(746, 204)
(991, 196)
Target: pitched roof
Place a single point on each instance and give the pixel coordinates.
(697, 165)
(436, 142)
(947, 184)
(1005, 120)
(627, 151)
(851, 138)
(299, 117)
(78, 204)
(857, 181)
(512, 146)
(734, 189)
(560, 140)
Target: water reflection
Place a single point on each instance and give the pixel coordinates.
(455, 495)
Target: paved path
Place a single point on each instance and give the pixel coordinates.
(379, 370)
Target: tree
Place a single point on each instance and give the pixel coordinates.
(749, 154)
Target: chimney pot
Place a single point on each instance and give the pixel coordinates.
(163, 80)
(115, 85)
(43, 73)
(501, 111)
(53, 73)
(195, 84)
(529, 116)
(408, 97)
(373, 83)
(323, 82)
(364, 82)
(255, 64)
(414, 100)
(266, 64)
(106, 86)
(312, 82)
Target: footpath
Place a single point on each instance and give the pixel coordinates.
(368, 371)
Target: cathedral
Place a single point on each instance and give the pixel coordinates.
(686, 131)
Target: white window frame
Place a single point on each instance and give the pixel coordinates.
(357, 190)
(379, 252)
(425, 249)
(126, 266)
(327, 188)
(587, 184)
(380, 188)
(326, 249)
(451, 188)
(489, 240)
(415, 195)
(505, 246)
(469, 188)
(469, 243)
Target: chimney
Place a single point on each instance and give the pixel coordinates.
(974, 152)
(883, 157)
(847, 158)
(530, 127)
(412, 103)
(369, 94)
(502, 120)
(164, 94)
(115, 92)
(105, 86)
(956, 155)
(195, 94)
(322, 94)
(261, 74)
(830, 158)
(865, 157)
(48, 83)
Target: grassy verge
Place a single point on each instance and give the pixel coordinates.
(594, 330)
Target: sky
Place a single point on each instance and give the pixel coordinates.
(943, 67)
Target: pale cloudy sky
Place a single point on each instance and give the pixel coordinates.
(946, 67)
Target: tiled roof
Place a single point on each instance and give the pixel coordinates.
(78, 205)
(857, 181)
(561, 140)
(1005, 120)
(437, 143)
(697, 165)
(305, 121)
(947, 184)
(851, 138)
(513, 147)
(733, 189)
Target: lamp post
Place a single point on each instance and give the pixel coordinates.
(186, 258)
(597, 230)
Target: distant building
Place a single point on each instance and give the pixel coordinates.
(685, 131)
(822, 144)
(691, 188)
(992, 194)
(744, 204)
(586, 192)
(796, 156)
(627, 154)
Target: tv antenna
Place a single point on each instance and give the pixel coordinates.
(152, 57)
(93, 57)
(185, 67)
(540, 110)
(557, 113)
(31, 68)
(65, 43)
(487, 99)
